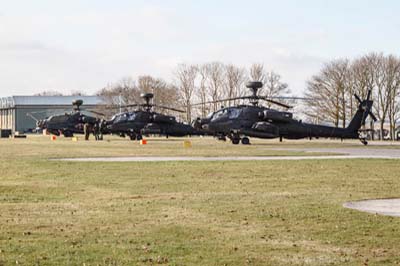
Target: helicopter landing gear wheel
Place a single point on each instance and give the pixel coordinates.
(245, 141)
(132, 136)
(235, 141)
(222, 137)
(68, 134)
(235, 138)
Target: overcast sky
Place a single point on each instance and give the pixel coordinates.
(85, 44)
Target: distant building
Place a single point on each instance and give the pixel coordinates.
(18, 113)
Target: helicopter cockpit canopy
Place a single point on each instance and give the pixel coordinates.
(231, 113)
(218, 114)
(123, 117)
(234, 112)
(57, 118)
(131, 116)
(210, 115)
(120, 118)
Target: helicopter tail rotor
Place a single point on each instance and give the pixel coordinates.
(366, 105)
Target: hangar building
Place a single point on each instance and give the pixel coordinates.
(18, 113)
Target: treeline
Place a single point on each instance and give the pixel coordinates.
(127, 91)
(58, 93)
(196, 84)
(332, 90)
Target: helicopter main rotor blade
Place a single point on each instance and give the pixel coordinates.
(129, 105)
(223, 100)
(32, 116)
(167, 108)
(51, 111)
(293, 98)
(275, 102)
(93, 111)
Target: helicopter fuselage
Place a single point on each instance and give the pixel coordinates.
(139, 123)
(66, 124)
(262, 122)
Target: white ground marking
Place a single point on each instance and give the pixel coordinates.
(225, 158)
(389, 207)
(348, 153)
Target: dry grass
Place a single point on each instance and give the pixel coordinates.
(37, 147)
(189, 213)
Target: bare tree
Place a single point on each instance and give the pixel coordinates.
(392, 69)
(202, 88)
(273, 86)
(186, 76)
(380, 74)
(127, 91)
(117, 94)
(48, 93)
(77, 93)
(165, 94)
(328, 89)
(215, 73)
(381, 90)
(362, 73)
(257, 72)
(335, 85)
(235, 77)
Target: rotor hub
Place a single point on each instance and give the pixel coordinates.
(254, 86)
(147, 97)
(77, 104)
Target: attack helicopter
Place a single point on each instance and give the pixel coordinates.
(144, 121)
(68, 124)
(238, 123)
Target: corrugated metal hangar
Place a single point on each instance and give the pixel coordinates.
(18, 113)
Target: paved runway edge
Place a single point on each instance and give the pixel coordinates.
(338, 153)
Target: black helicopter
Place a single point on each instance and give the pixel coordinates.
(144, 121)
(243, 121)
(68, 124)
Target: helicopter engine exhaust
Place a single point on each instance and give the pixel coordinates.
(270, 115)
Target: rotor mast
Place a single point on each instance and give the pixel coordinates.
(147, 97)
(77, 104)
(254, 86)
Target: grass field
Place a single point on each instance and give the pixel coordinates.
(191, 213)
